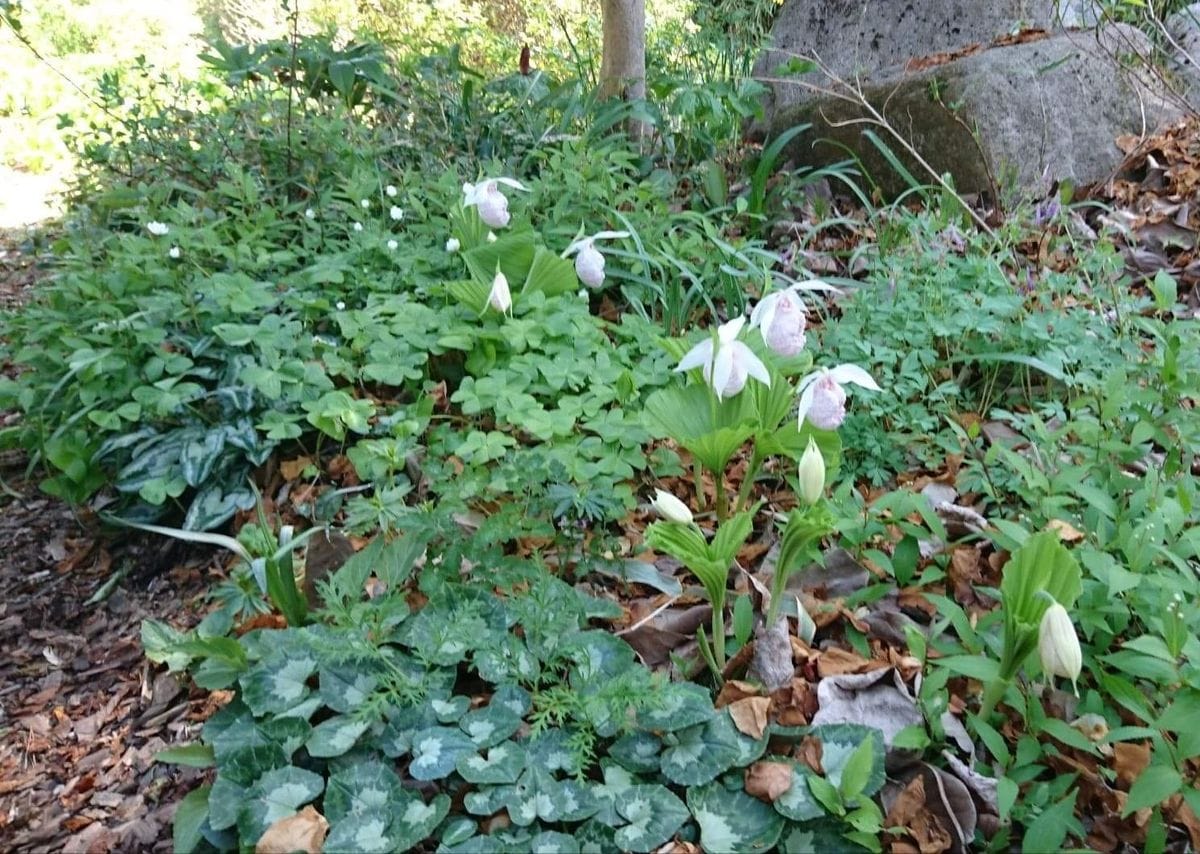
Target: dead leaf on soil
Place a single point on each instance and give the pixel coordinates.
(1067, 532)
(1129, 761)
(750, 715)
(836, 661)
(292, 469)
(305, 831)
(767, 781)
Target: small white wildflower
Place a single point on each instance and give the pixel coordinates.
(309, 213)
(358, 226)
(174, 252)
(452, 245)
(158, 229)
(491, 238)
(366, 203)
(396, 213)
(390, 190)
(391, 244)
(339, 305)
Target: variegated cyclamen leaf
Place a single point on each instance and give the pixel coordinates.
(638, 751)
(506, 659)
(821, 834)
(700, 753)
(335, 736)
(732, 820)
(798, 803)
(550, 750)
(514, 698)
(278, 683)
(502, 764)
(490, 725)
(435, 752)
(405, 723)
(598, 656)
(364, 787)
(276, 795)
(458, 830)
(536, 796)
(616, 781)
(654, 816)
(368, 833)
(344, 686)
(597, 838)
(450, 710)
(416, 820)
(677, 706)
(838, 743)
(553, 842)
(225, 801)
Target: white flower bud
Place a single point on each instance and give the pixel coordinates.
(589, 266)
(1058, 645)
(452, 245)
(500, 298)
(812, 474)
(309, 213)
(366, 203)
(493, 207)
(339, 305)
(671, 508)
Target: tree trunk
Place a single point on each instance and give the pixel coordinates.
(623, 68)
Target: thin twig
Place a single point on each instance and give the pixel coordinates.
(649, 616)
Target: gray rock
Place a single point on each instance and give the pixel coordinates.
(860, 37)
(1024, 114)
(1184, 29)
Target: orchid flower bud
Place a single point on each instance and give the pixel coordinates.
(490, 201)
(671, 508)
(727, 364)
(500, 298)
(589, 263)
(822, 398)
(812, 474)
(452, 245)
(1058, 645)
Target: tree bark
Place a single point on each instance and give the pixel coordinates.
(623, 67)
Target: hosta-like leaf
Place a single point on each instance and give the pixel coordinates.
(335, 736)
(677, 705)
(502, 764)
(436, 751)
(490, 725)
(276, 795)
(278, 683)
(732, 820)
(638, 751)
(654, 815)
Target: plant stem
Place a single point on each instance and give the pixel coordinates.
(721, 500)
(756, 461)
(718, 626)
(698, 474)
(992, 695)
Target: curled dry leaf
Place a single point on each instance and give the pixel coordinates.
(305, 831)
(767, 781)
(750, 715)
(1067, 532)
(870, 699)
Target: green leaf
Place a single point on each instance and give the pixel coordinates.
(490, 725)
(279, 682)
(1048, 830)
(277, 794)
(732, 820)
(1041, 563)
(798, 803)
(335, 736)
(701, 752)
(676, 706)
(856, 773)
(190, 816)
(638, 752)
(654, 815)
(191, 755)
(436, 752)
(502, 765)
(1152, 787)
(550, 274)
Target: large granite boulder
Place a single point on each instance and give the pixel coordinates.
(972, 100)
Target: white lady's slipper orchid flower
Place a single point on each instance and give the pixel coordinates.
(822, 398)
(490, 201)
(174, 252)
(812, 474)
(396, 213)
(780, 318)
(452, 245)
(671, 508)
(391, 191)
(158, 229)
(727, 364)
(1058, 645)
(500, 298)
(589, 262)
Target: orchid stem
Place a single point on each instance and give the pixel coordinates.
(743, 495)
(722, 501)
(698, 474)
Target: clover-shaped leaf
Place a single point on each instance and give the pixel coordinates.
(732, 820)
(654, 815)
(490, 725)
(435, 752)
(503, 764)
(637, 751)
(678, 705)
(335, 736)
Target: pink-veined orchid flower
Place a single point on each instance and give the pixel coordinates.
(780, 316)
(589, 261)
(822, 398)
(491, 203)
(727, 363)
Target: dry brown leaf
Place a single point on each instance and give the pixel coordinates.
(810, 751)
(292, 469)
(750, 715)
(767, 781)
(1067, 532)
(836, 661)
(1129, 760)
(305, 831)
(734, 690)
